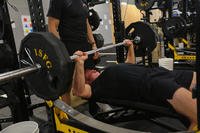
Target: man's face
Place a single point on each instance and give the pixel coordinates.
(91, 75)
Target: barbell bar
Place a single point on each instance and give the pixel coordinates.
(99, 49)
(4, 77)
(18, 73)
(24, 71)
(39, 68)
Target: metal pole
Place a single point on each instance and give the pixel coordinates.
(18, 73)
(119, 29)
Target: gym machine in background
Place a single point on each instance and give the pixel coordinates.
(177, 24)
(120, 32)
(180, 24)
(9, 61)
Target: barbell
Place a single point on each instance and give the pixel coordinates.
(46, 65)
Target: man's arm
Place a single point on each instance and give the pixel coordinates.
(91, 39)
(90, 35)
(53, 26)
(79, 88)
(131, 53)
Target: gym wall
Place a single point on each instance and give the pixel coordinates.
(22, 23)
(16, 18)
(105, 25)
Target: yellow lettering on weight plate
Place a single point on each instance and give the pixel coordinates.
(45, 57)
(48, 64)
(40, 53)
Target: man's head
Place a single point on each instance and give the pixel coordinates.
(90, 75)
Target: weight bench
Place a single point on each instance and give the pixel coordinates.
(139, 111)
(149, 111)
(69, 120)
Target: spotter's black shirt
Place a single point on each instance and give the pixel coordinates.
(72, 15)
(72, 28)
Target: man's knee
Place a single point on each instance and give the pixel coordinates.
(180, 92)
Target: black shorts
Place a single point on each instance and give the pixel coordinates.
(161, 84)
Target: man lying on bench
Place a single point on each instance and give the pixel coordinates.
(131, 82)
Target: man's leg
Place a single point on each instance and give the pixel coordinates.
(194, 82)
(183, 103)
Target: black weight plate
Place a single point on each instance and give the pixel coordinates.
(174, 27)
(144, 4)
(55, 76)
(99, 40)
(94, 19)
(147, 35)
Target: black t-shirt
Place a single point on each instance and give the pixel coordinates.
(139, 83)
(119, 82)
(72, 27)
(72, 15)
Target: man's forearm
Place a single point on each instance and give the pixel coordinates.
(90, 35)
(54, 31)
(131, 55)
(79, 78)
